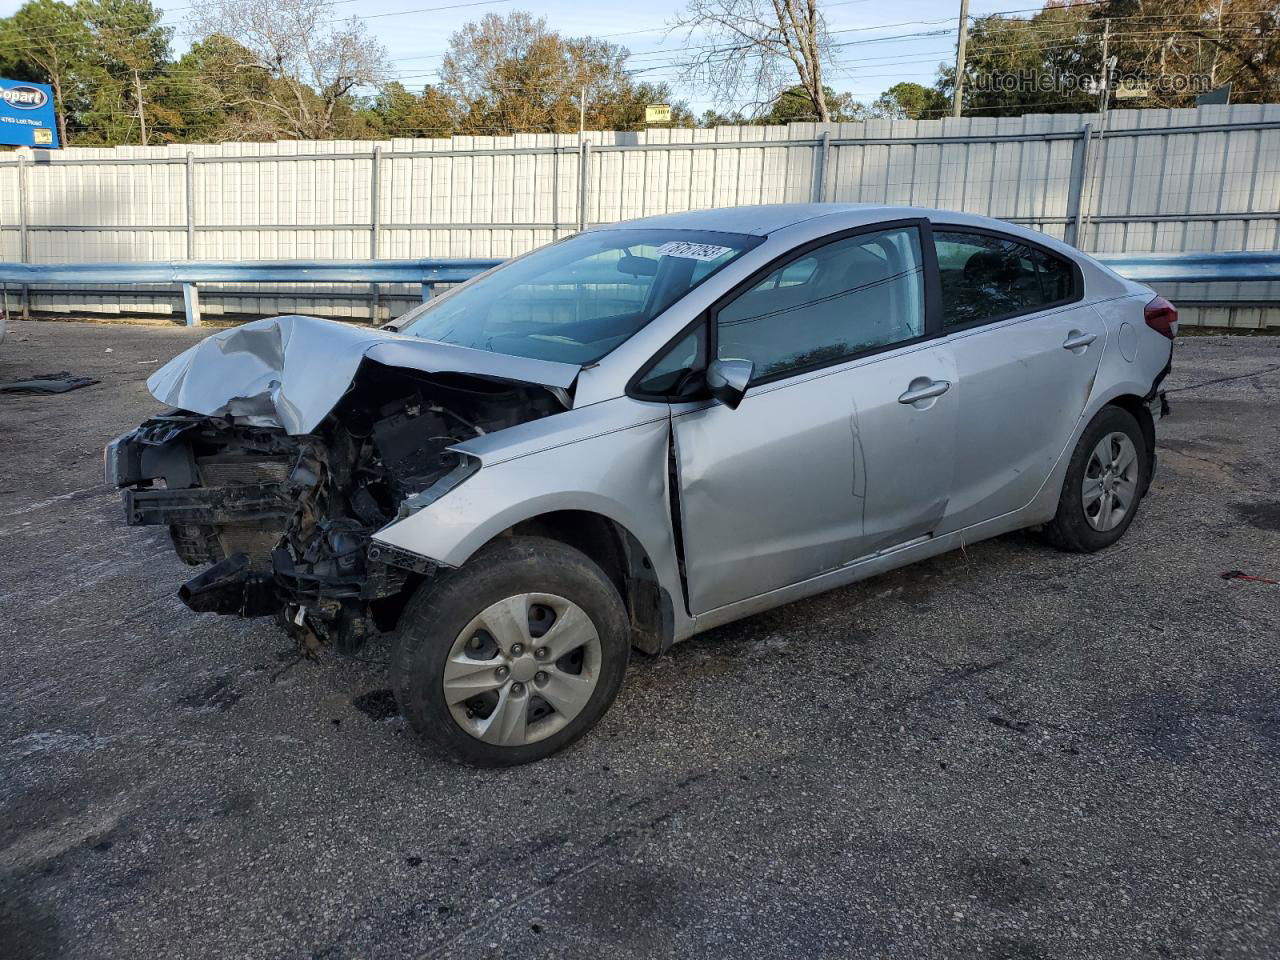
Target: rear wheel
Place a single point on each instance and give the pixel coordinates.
(1104, 484)
(513, 657)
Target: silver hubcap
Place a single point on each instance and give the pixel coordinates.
(1110, 482)
(522, 669)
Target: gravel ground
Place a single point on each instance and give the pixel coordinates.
(1007, 752)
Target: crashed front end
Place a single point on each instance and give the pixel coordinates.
(278, 496)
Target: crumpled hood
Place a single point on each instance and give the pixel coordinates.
(290, 371)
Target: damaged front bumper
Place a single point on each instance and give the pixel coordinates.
(261, 517)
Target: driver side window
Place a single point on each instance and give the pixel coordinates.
(846, 297)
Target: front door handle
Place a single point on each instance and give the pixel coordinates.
(922, 388)
(1076, 340)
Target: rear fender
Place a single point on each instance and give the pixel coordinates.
(1045, 505)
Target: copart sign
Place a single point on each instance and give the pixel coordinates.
(26, 114)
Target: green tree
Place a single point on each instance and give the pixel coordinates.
(98, 55)
(397, 112)
(624, 109)
(1162, 42)
(47, 41)
(1034, 65)
(713, 118)
(1049, 62)
(128, 48)
(512, 75)
(795, 104)
(910, 101)
(210, 95)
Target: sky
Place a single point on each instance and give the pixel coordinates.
(882, 43)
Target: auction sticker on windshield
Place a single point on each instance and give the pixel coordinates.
(693, 251)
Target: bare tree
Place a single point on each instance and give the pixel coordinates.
(753, 47)
(312, 62)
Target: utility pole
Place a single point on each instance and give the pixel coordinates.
(1213, 67)
(142, 116)
(960, 45)
(1104, 81)
(582, 111)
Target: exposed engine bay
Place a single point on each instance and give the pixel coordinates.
(283, 522)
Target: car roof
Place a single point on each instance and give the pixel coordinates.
(759, 219)
(763, 219)
(798, 223)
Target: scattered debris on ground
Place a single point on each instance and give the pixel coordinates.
(60, 382)
(1241, 575)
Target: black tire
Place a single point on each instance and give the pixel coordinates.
(1070, 528)
(441, 609)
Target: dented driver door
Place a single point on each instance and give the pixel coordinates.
(824, 461)
(766, 491)
(806, 477)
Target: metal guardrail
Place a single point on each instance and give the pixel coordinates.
(1143, 267)
(190, 273)
(1194, 267)
(424, 272)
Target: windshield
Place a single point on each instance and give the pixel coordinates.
(576, 300)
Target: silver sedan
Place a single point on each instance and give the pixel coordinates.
(644, 431)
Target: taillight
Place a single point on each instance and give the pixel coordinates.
(1162, 317)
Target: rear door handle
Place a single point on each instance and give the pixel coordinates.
(1078, 341)
(923, 388)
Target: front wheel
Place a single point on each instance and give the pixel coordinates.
(1104, 484)
(513, 657)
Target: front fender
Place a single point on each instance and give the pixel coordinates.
(620, 475)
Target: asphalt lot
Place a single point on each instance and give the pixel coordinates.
(1008, 752)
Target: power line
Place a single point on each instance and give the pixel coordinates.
(883, 26)
(993, 14)
(159, 23)
(669, 28)
(885, 61)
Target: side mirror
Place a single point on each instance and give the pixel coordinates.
(727, 380)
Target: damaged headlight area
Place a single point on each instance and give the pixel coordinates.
(283, 523)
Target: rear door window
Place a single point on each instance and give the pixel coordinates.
(988, 277)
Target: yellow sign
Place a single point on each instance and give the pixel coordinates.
(657, 113)
(42, 136)
(1132, 91)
